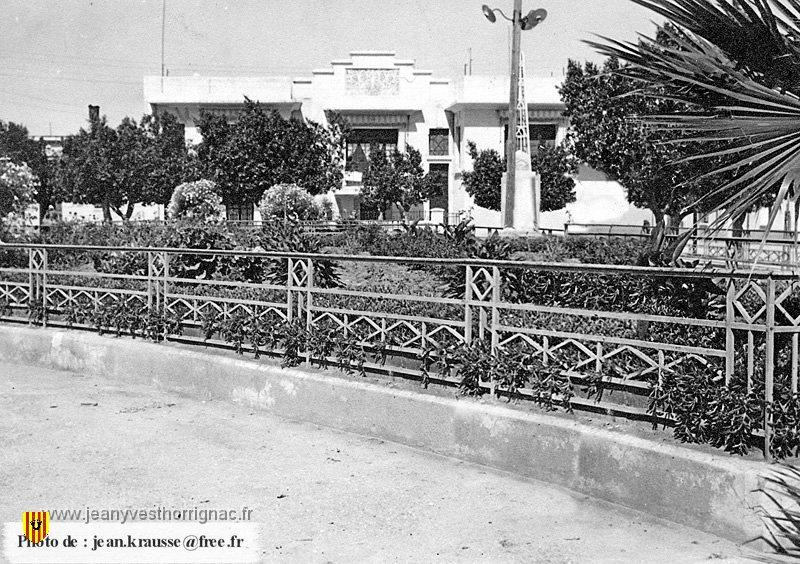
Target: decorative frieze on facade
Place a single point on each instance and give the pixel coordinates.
(372, 82)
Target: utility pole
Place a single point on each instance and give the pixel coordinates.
(511, 137)
(470, 61)
(518, 23)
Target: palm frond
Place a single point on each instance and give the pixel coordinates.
(783, 517)
(737, 62)
(737, 27)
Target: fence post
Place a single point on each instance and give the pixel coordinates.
(468, 306)
(309, 293)
(795, 350)
(31, 279)
(769, 368)
(495, 309)
(165, 287)
(37, 281)
(157, 284)
(43, 287)
(730, 342)
(152, 284)
(495, 319)
(289, 286)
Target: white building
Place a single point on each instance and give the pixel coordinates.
(389, 103)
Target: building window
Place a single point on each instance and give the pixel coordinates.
(440, 174)
(540, 134)
(543, 134)
(360, 142)
(439, 142)
(239, 212)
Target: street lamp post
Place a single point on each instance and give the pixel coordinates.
(518, 23)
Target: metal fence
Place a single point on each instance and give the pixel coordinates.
(742, 248)
(749, 331)
(776, 252)
(606, 230)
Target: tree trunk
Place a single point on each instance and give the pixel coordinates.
(679, 240)
(106, 211)
(402, 211)
(657, 232)
(44, 203)
(673, 225)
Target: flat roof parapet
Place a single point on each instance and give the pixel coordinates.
(368, 53)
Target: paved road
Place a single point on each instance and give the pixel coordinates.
(319, 495)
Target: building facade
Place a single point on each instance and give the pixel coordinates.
(389, 103)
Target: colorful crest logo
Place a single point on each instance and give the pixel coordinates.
(36, 525)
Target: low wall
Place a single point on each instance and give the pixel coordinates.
(714, 493)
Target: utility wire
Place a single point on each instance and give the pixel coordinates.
(26, 96)
(72, 79)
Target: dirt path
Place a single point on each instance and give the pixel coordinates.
(318, 495)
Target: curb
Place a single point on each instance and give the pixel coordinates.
(710, 492)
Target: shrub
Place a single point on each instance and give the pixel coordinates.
(191, 232)
(288, 201)
(198, 200)
(706, 410)
(17, 188)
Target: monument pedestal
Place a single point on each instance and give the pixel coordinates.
(524, 213)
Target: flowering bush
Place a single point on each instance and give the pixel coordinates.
(17, 188)
(198, 200)
(288, 201)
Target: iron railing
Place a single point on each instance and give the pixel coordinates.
(632, 349)
(605, 230)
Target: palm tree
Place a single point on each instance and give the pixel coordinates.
(739, 61)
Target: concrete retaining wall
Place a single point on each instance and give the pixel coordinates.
(714, 493)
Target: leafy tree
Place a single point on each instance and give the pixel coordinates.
(397, 180)
(554, 165)
(88, 166)
(483, 181)
(198, 200)
(18, 187)
(603, 104)
(288, 201)
(17, 145)
(739, 60)
(116, 168)
(262, 149)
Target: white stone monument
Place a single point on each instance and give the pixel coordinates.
(525, 205)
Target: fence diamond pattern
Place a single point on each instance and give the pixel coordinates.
(758, 320)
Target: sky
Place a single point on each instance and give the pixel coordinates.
(56, 58)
